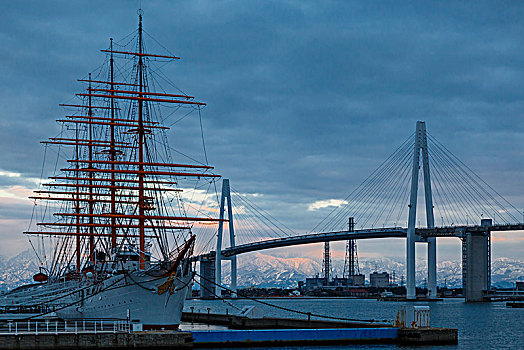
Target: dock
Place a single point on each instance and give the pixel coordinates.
(515, 304)
(280, 337)
(242, 330)
(272, 331)
(403, 298)
(316, 337)
(70, 341)
(232, 321)
(228, 338)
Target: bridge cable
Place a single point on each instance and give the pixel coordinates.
(369, 195)
(260, 210)
(452, 192)
(363, 194)
(467, 190)
(457, 160)
(391, 183)
(394, 203)
(438, 187)
(263, 214)
(328, 217)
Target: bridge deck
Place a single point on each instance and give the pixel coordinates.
(393, 232)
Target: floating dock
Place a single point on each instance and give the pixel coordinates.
(279, 337)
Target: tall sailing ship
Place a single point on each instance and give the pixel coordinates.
(114, 218)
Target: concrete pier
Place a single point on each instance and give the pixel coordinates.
(70, 341)
(239, 322)
(476, 260)
(330, 336)
(427, 336)
(207, 271)
(235, 338)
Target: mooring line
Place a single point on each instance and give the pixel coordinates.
(309, 314)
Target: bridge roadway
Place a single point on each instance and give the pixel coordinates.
(393, 232)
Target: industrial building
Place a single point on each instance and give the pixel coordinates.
(313, 283)
(379, 280)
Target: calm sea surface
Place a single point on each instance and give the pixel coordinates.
(480, 325)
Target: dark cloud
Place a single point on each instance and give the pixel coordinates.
(304, 99)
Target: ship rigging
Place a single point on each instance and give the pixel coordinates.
(117, 207)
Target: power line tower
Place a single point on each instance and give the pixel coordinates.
(326, 264)
(351, 267)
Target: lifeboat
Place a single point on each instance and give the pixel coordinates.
(40, 277)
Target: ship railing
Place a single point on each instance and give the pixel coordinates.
(64, 327)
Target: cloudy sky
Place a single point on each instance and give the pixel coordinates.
(304, 98)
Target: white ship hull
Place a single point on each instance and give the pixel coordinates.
(132, 296)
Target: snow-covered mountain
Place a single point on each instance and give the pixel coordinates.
(268, 271)
(505, 271)
(17, 270)
(264, 270)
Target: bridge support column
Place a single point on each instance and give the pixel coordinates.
(411, 239)
(476, 274)
(226, 196)
(233, 258)
(207, 271)
(432, 267)
(421, 146)
(430, 219)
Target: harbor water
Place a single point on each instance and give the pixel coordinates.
(480, 325)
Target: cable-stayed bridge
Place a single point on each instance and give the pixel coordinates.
(455, 200)
(391, 232)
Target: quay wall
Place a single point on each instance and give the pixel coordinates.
(228, 338)
(427, 336)
(67, 341)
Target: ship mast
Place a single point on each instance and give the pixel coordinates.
(126, 183)
(90, 166)
(141, 233)
(77, 205)
(112, 152)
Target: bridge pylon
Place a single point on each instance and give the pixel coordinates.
(421, 148)
(226, 197)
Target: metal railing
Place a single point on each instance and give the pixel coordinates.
(60, 327)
